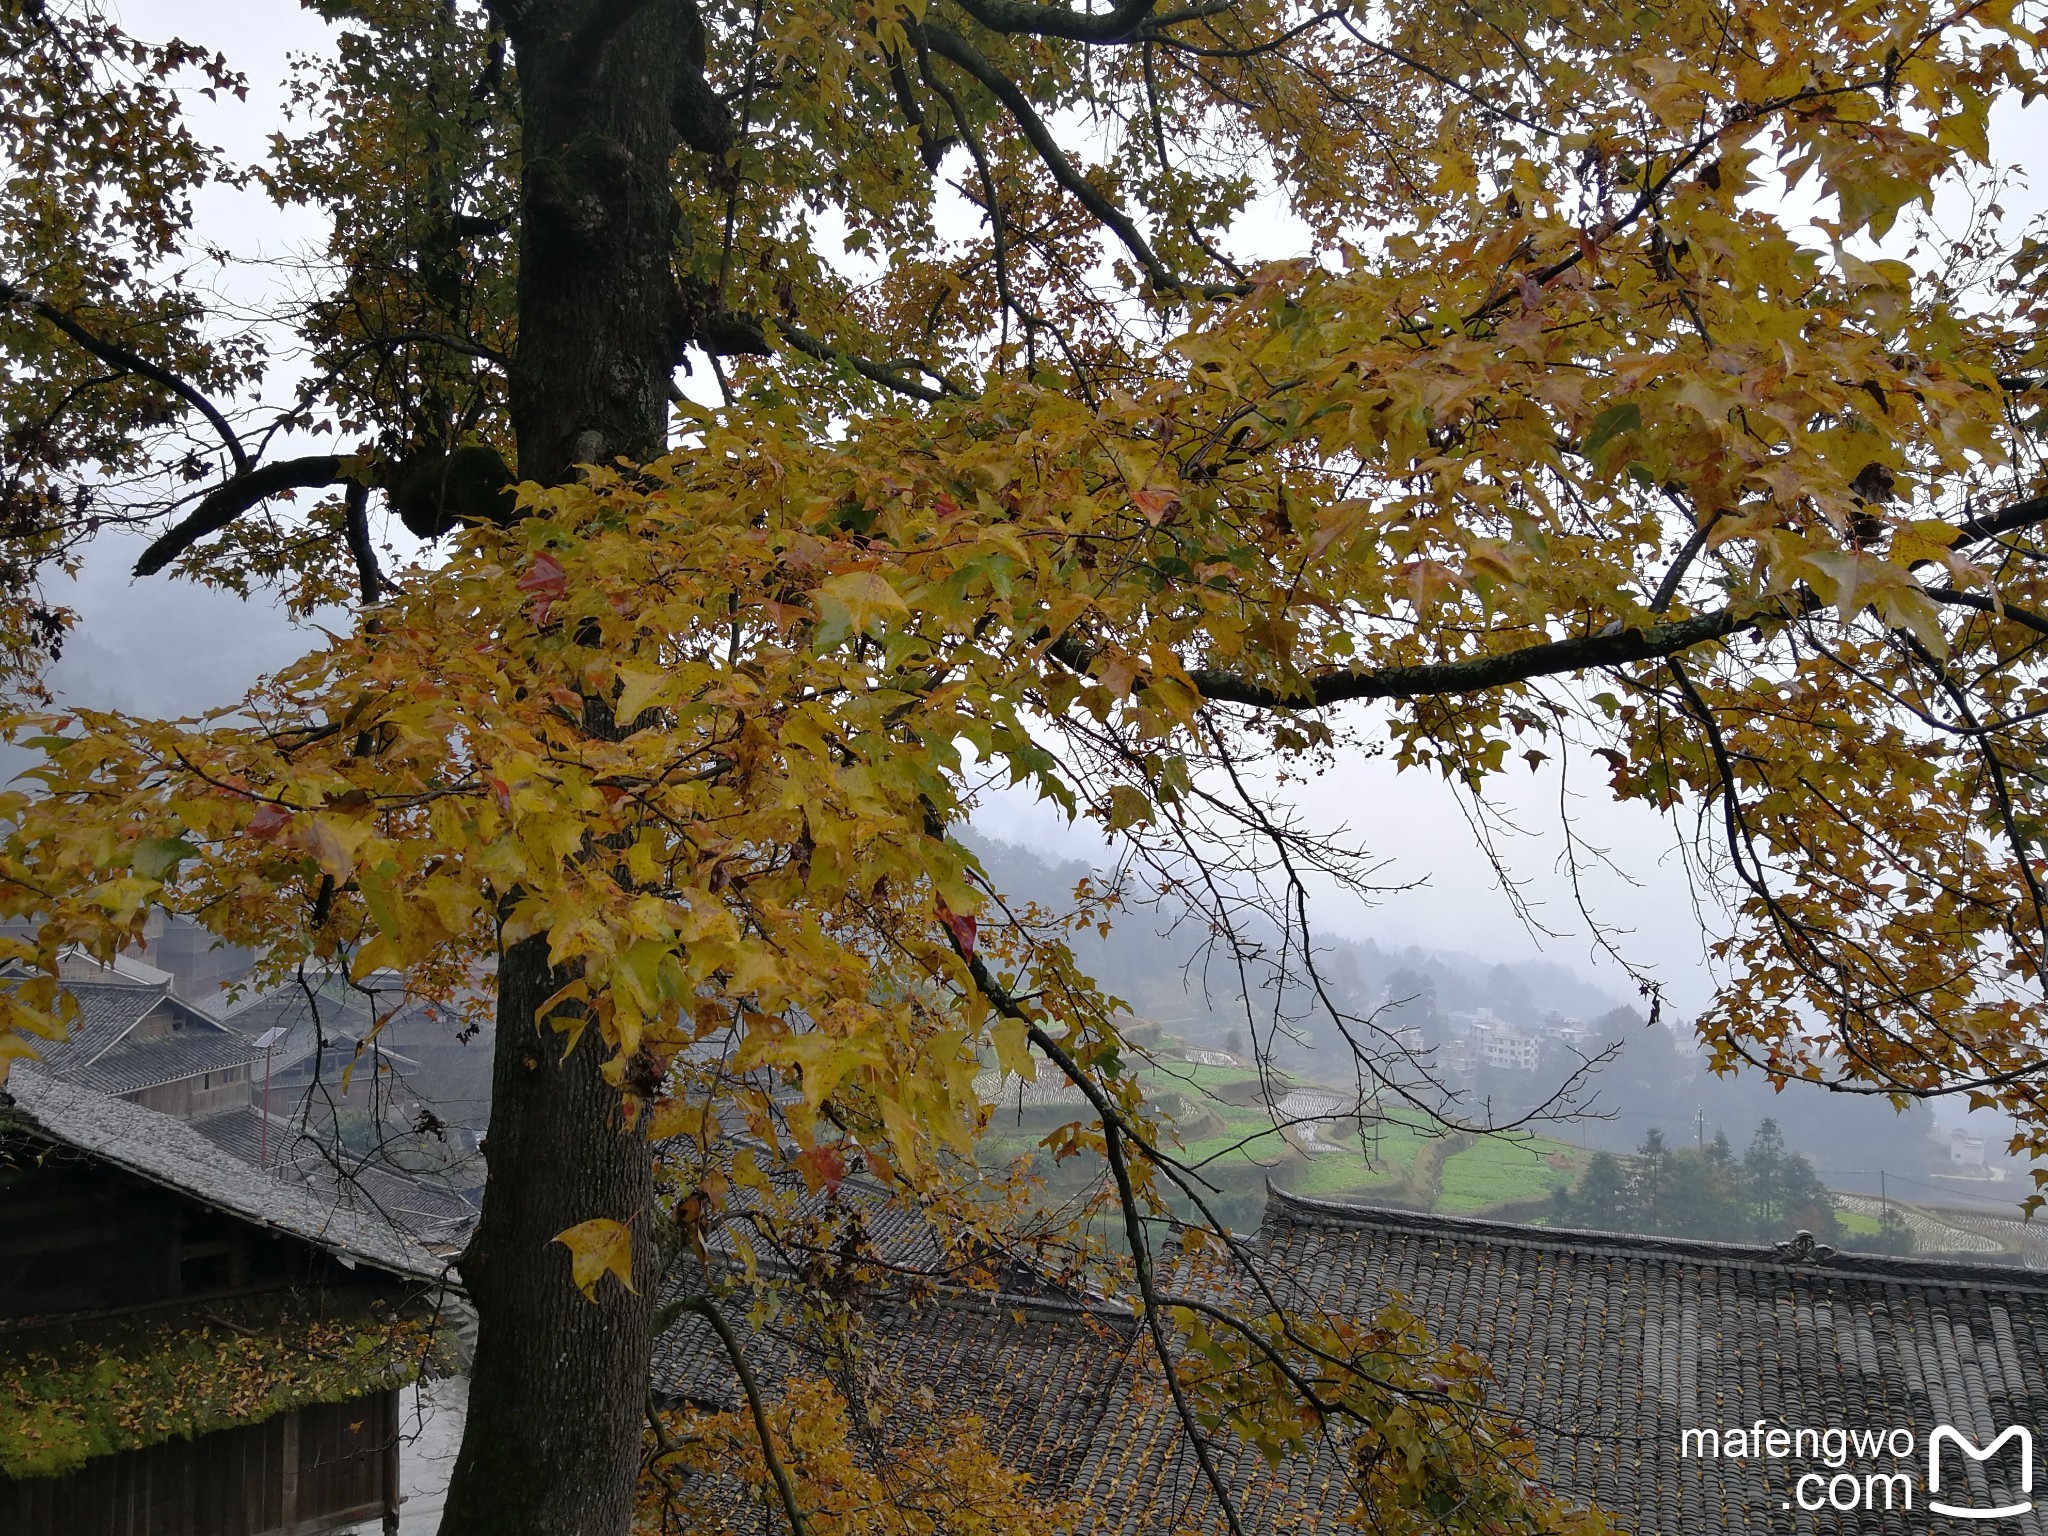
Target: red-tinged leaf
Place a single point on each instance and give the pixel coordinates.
(268, 821)
(961, 925)
(546, 583)
(822, 1167)
(1155, 506)
(546, 578)
(946, 507)
(502, 793)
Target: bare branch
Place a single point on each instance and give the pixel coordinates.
(1148, 1290)
(121, 357)
(957, 50)
(707, 1309)
(1129, 22)
(867, 368)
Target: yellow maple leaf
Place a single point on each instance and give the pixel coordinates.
(854, 602)
(596, 1246)
(637, 689)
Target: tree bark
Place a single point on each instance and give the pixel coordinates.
(553, 1442)
(552, 1445)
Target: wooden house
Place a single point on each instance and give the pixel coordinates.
(189, 1346)
(134, 1038)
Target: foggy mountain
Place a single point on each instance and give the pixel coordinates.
(1152, 960)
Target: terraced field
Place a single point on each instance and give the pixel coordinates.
(1220, 1119)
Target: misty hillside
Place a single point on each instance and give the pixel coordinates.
(1657, 1081)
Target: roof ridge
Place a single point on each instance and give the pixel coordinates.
(1306, 1209)
(156, 995)
(970, 1299)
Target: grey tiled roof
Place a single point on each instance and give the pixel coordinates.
(325, 1008)
(1606, 1347)
(173, 1154)
(1610, 1346)
(97, 1052)
(435, 1216)
(106, 1012)
(132, 1067)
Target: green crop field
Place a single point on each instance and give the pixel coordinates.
(1495, 1170)
(1338, 1177)
(1398, 1160)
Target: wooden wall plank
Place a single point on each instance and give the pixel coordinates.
(292, 1473)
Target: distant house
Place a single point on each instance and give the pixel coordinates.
(1509, 1050)
(329, 1030)
(134, 1038)
(1642, 1367)
(188, 1345)
(354, 1050)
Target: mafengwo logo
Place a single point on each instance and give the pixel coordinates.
(1951, 1474)
(1945, 1435)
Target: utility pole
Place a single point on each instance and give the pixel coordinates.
(1699, 1125)
(266, 1043)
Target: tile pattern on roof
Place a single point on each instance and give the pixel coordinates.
(1044, 1378)
(99, 1053)
(173, 1154)
(1609, 1349)
(1606, 1348)
(131, 1067)
(434, 1216)
(106, 1012)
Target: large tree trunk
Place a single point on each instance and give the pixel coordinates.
(552, 1446)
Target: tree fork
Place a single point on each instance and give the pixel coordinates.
(552, 1447)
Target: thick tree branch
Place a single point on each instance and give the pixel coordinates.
(356, 528)
(2021, 514)
(1435, 678)
(227, 502)
(2025, 618)
(785, 1490)
(1617, 648)
(121, 357)
(698, 114)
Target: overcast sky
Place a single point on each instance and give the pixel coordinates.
(167, 648)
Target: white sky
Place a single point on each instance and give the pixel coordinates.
(161, 647)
